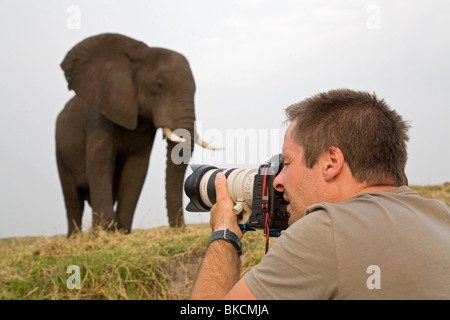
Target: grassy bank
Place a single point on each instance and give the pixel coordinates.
(157, 263)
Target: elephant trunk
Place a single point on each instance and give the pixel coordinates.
(179, 150)
(175, 171)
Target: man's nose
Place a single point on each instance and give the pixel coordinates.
(278, 183)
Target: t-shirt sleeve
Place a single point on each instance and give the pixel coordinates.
(301, 264)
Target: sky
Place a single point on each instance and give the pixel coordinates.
(250, 60)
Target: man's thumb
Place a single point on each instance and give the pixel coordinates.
(221, 185)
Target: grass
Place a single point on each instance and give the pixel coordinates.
(159, 263)
(152, 264)
(441, 192)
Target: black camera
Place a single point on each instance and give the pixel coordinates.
(257, 204)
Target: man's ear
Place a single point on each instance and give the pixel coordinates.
(332, 164)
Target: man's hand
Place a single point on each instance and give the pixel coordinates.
(222, 215)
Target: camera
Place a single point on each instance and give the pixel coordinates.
(257, 204)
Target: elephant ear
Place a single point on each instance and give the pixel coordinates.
(99, 69)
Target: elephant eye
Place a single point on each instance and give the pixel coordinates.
(160, 85)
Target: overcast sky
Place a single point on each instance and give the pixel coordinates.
(250, 59)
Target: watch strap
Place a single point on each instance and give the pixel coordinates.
(229, 236)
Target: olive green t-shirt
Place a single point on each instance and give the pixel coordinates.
(379, 245)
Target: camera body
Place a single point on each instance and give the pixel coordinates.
(257, 204)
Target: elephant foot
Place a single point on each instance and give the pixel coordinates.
(178, 220)
(122, 229)
(73, 232)
(100, 221)
(74, 228)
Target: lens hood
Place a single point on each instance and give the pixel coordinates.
(191, 188)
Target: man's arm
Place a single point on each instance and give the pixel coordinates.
(219, 273)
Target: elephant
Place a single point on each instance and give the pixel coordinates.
(124, 91)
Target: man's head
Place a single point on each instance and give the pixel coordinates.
(341, 135)
(372, 136)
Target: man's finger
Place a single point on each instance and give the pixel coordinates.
(221, 186)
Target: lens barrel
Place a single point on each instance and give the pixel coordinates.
(201, 190)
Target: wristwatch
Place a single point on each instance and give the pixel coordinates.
(229, 236)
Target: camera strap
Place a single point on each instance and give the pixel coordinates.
(265, 207)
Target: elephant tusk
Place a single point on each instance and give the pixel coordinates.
(170, 135)
(207, 145)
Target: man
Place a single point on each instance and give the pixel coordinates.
(356, 231)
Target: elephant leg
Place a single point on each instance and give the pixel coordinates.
(73, 198)
(101, 199)
(75, 209)
(132, 177)
(99, 172)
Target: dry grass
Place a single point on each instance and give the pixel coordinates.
(113, 266)
(159, 263)
(440, 192)
(152, 264)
